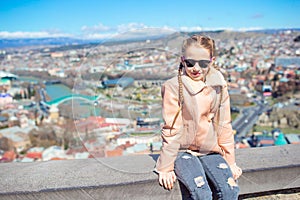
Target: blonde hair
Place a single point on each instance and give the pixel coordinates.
(198, 41)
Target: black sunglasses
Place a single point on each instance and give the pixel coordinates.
(201, 63)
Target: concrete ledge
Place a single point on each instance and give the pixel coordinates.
(130, 177)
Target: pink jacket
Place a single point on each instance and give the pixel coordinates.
(204, 122)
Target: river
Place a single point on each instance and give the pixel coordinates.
(54, 91)
(57, 90)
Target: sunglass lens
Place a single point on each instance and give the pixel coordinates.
(204, 63)
(201, 63)
(190, 63)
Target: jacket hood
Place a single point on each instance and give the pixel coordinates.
(213, 78)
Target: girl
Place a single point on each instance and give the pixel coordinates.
(198, 142)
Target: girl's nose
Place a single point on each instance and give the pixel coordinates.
(197, 67)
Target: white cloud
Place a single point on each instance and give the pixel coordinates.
(190, 29)
(20, 34)
(250, 29)
(145, 32)
(101, 29)
(98, 36)
(96, 28)
(130, 27)
(124, 31)
(167, 28)
(218, 28)
(198, 28)
(130, 30)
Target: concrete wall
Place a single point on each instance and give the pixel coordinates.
(131, 177)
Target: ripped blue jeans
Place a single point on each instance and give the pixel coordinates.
(206, 176)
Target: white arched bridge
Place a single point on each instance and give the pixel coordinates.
(56, 102)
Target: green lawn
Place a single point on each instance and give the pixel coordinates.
(234, 115)
(142, 133)
(284, 130)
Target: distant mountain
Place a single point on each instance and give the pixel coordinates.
(63, 41)
(275, 31)
(140, 35)
(59, 41)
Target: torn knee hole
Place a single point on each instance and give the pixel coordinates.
(186, 157)
(199, 181)
(223, 166)
(231, 182)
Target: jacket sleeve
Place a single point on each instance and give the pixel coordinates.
(170, 135)
(223, 128)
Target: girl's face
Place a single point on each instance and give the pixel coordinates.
(196, 62)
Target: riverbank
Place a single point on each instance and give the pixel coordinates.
(44, 76)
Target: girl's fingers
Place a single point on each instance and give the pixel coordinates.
(170, 182)
(160, 180)
(167, 180)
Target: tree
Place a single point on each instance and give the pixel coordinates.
(6, 144)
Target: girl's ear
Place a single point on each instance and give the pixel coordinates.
(213, 59)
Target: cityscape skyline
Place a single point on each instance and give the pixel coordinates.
(99, 20)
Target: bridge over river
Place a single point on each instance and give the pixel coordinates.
(57, 101)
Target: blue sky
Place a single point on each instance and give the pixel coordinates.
(98, 18)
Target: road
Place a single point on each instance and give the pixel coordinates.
(247, 118)
(41, 107)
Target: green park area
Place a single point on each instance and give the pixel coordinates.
(283, 130)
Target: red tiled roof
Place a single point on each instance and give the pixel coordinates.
(115, 152)
(233, 85)
(125, 146)
(295, 142)
(97, 154)
(9, 155)
(34, 155)
(73, 151)
(145, 129)
(57, 158)
(241, 145)
(93, 122)
(109, 124)
(95, 119)
(266, 141)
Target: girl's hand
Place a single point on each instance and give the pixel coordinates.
(167, 179)
(236, 171)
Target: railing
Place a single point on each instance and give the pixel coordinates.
(265, 170)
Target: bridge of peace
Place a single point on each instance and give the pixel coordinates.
(63, 99)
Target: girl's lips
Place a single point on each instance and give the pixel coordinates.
(196, 73)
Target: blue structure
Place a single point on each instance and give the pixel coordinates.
(280, 140)
(121, 82)
(60, 100)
